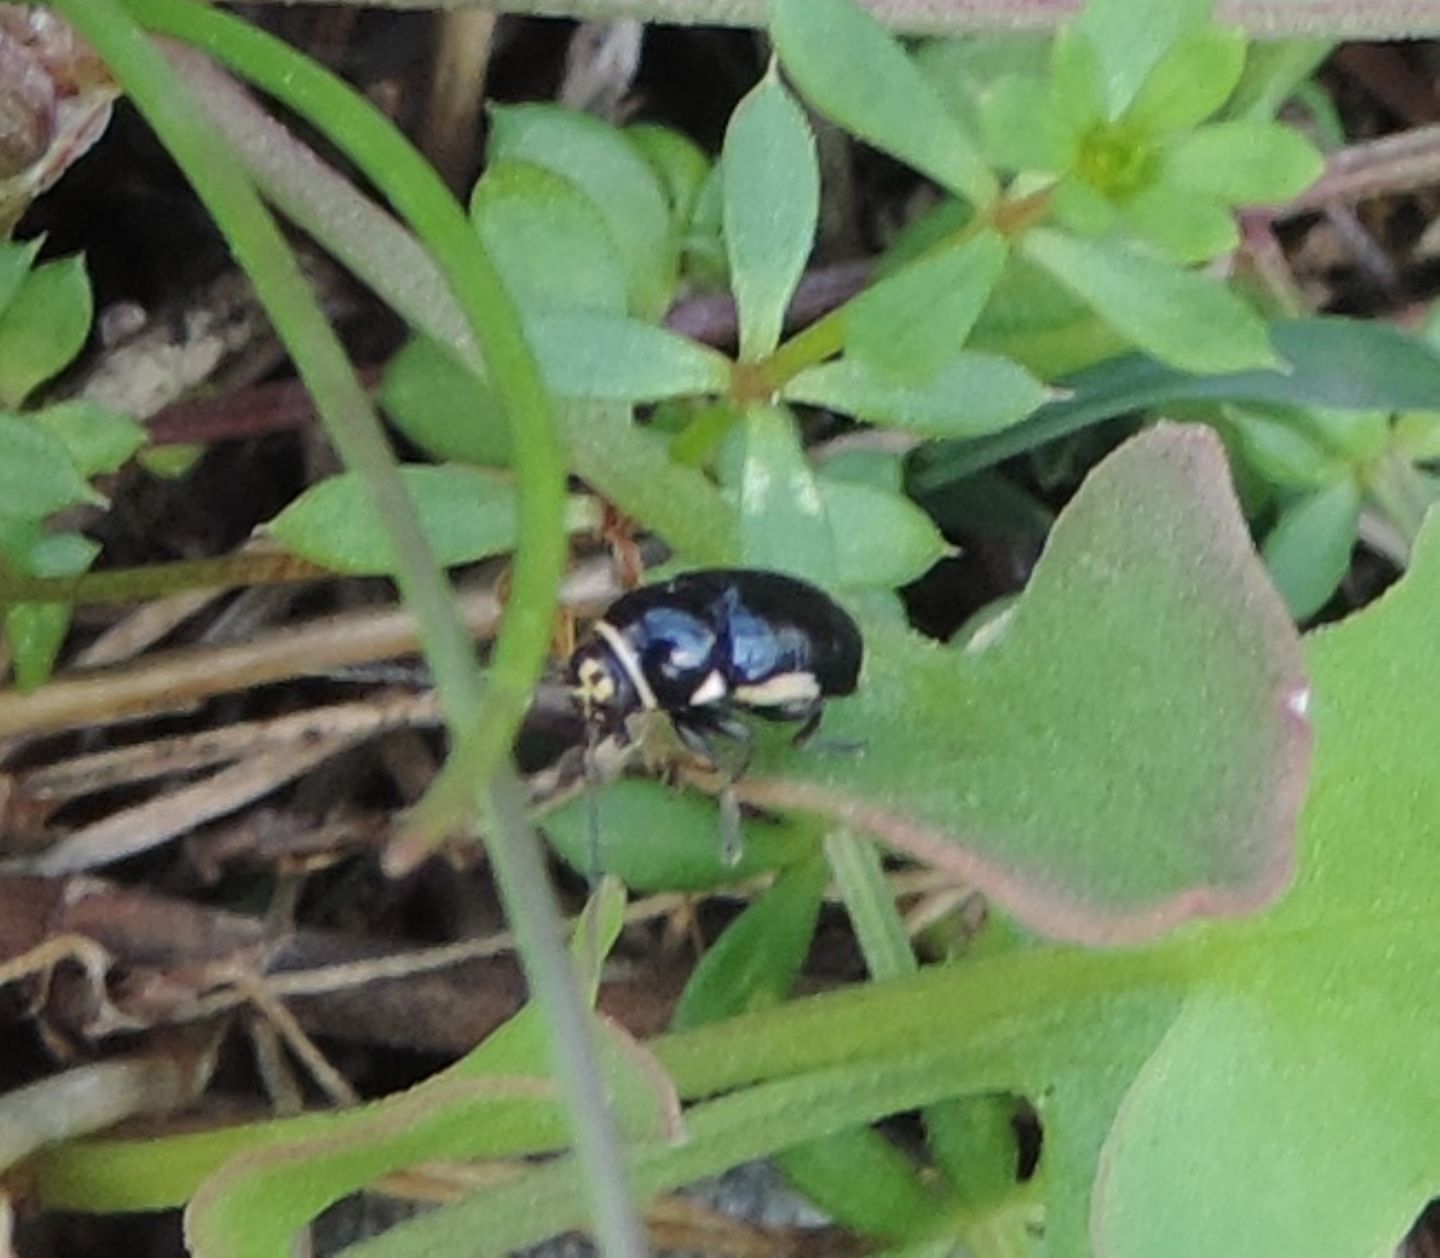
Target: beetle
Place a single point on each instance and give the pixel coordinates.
(706, 645)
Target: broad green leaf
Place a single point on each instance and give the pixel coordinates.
(1131, 38)
(1308, 551)
(1245, 163)
(1174, 696)
(549, 241)
(854, 72)
(1183, 318)
(654, 839)
(755, 961)
(99, 440)
(443, 406)
(37, 474)
(607, 358)
(678, 162)
(1337, 363)
(1023, 127)
(606, 167)
(771, 183)
(1188, 225)
(1339, 977)
(882, 539)
(971, 395)
(783, 524)
(43, 327)
(1191, 82)
(912, 323)
(465, 513)
(16, 259)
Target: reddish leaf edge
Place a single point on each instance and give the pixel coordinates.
(1057, 912)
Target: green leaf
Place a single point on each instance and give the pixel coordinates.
(1188, 225)
(1076, 88)
(783, 524)
(1191, 82)
(35, 632)
(1417, 436)
(654, 839)
(1083, 208)
(1337, 363)
(99, 440)
(632, 467)
(1274, 69)
(443, 406)
(1308, 551)
(771, 183)
(971, 395)
(1278, 443)
(882, 539)
(1181, 317)
(678, 162)
(851, 70)
(963, 67)
(37, 475)
(16, 259)
(1151, 647)
(1131, 38)
(912, 323)
(1023, 127)
(606, 167)
(1350, 1009)
(43, 327)
(1245, 163)
(465, 513)
(549, 241)
(607, 358)
(755, 962)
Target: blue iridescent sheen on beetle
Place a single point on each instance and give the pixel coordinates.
(705, 645)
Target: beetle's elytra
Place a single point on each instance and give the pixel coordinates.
(707, 644)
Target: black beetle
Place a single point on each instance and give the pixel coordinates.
(707, 644)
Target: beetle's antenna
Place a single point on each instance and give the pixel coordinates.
(592, 797)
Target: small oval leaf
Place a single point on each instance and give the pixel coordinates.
(771, 188)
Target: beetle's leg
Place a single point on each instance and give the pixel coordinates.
(811, 721)
(806, 732)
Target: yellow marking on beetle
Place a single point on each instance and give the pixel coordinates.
(780, 691)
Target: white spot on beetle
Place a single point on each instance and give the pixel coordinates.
(711, 690)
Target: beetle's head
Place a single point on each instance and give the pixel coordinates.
(601, 684)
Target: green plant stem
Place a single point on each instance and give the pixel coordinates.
(344, 406)
(856, 865)
(417, 193)
(131, 585)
